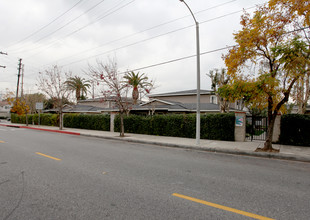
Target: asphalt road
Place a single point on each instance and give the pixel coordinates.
(47, 175)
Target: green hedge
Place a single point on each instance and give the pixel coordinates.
(45, 119)
(213, 126)
(87, 121)
(295, 130)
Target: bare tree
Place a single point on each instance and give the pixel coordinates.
(32, 99)
(52, 83)
(301, 93)
(219, 78)
(115, 88)
(301, 90)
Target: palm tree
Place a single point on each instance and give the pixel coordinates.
(79, 85)
(137, 81)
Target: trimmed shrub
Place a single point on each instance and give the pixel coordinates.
(48, 119)
(87, 121)
(295, 130)
(213, 126)
(218, 127)
(45, 119)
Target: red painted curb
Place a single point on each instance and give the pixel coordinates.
(42, 129)
(56, 131)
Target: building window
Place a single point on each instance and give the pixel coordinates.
(238, 104)
(213, 99)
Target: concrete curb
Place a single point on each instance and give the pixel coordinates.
(280, 156)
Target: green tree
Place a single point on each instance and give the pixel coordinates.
(138, 82)
(269, 39)
(300, 9)
(79, 86)
(52, 102)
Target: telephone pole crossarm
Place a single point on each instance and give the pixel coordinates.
(3, 54)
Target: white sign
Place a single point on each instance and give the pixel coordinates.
(39, 105)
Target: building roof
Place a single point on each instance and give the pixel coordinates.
(182, 93)
(82, 108)
(103, 99)
(172, 106)
(77, 109)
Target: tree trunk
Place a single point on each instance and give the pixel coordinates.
(135, 95)
(122, 132)
(224, 106)
(60, 120)
(78, 94)
(271, 120)
(26, 119)
(60, 115)
(268, 143)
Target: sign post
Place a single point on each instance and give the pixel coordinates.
(39, 107)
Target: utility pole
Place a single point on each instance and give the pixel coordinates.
(18, 76)
(93, 95)
(3, 54)
(22, 90)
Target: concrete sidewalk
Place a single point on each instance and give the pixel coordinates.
(287, 152)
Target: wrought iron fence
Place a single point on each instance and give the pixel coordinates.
(256, 127)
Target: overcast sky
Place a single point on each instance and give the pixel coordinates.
(138, 33)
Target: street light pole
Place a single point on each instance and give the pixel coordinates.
(198, 76)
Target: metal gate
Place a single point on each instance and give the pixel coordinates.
(256, 128)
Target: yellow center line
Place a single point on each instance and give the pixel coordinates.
(44, 155)
(222, 207)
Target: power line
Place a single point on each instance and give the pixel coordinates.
(151, 38)
(179, 59)
(65, 25)
(57, 40)
(45, 26)
(98, 19)
(206, 52)
(58, 29)
(139, 32)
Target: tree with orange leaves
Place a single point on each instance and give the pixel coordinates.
(19, 106)
(271, 39)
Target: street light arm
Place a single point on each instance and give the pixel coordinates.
(190, 10)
